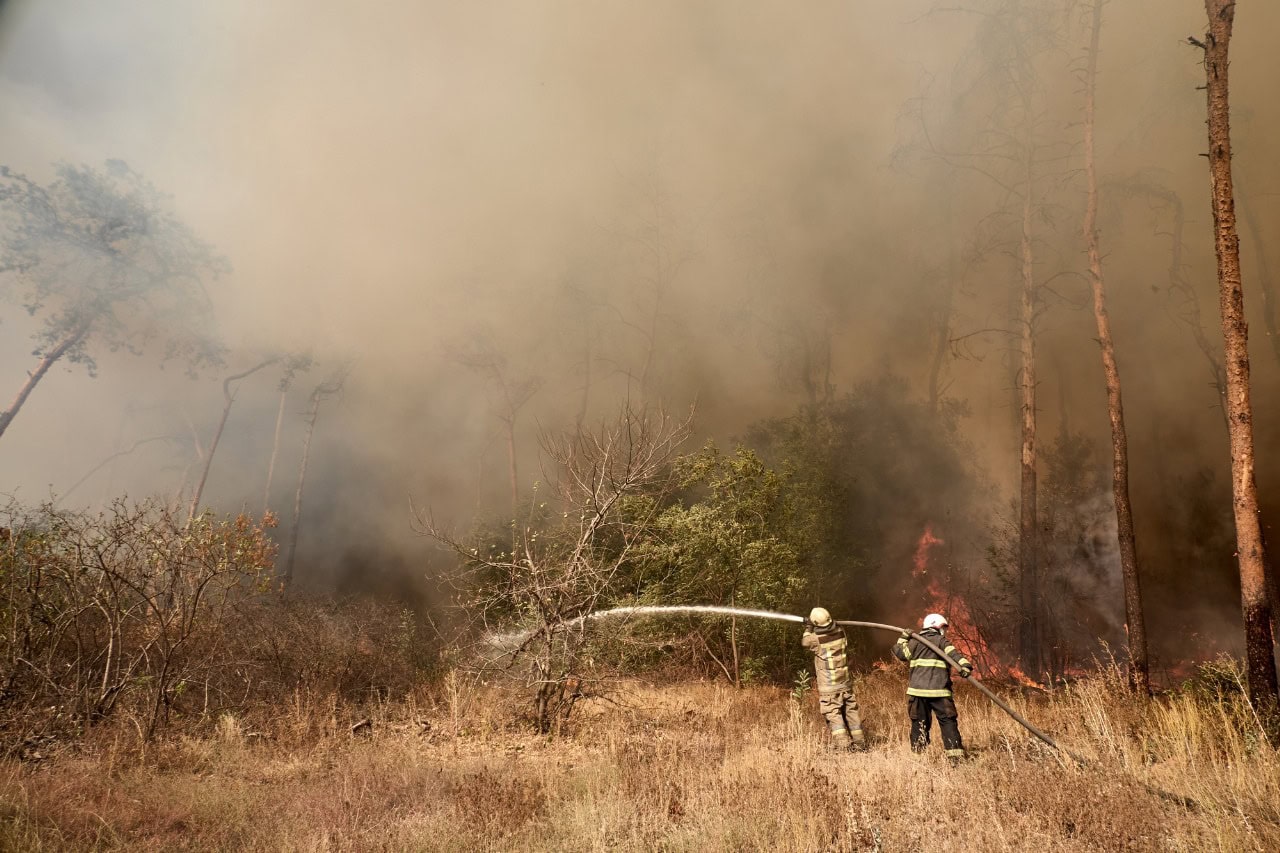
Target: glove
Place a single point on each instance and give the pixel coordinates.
(966, 671)
(906, 635)
(808, 626)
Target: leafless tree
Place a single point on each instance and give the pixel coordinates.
(329, 387)
(229, 398)
(513, 391)
(1015, 145)
(1134, 619)
(1264, 691)
(293, 364)
(569, 558)
(139, 443)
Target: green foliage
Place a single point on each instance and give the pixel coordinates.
(99, 256)
(1217, 679)
(734, 545)
(740, 537)
(803, 684)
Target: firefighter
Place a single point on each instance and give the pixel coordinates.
(929, 688)
(826, 640)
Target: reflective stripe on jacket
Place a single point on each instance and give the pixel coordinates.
(830, 660)
(930, 674)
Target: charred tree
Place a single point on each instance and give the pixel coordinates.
(332, 385)
(1004, 132)
(1259, 642)
(292, 366)
(1135, 624)
(229, 398)
(1029, 645)
(513, 392)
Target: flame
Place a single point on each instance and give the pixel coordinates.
(927, 541)
(1015, 672)
(963, 629)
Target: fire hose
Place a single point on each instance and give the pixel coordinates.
(786, 617)
(523, 637)
(1000, 703)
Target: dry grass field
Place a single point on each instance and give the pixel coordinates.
(678, 767)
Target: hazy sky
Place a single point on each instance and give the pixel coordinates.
(567, 179)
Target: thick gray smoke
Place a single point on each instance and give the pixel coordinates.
(711, 202)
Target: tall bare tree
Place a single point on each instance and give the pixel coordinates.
(1134, 621)
(608, 487)
(1002, 130)
(513, 392)
(100, 259)
(229, 398)
(293, 365)
(1259, 641)
(327, 388)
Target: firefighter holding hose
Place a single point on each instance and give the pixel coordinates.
(835, 693)
(929, 687)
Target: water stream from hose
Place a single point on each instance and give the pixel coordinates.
(516, 638)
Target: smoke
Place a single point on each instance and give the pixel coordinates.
(678, 201)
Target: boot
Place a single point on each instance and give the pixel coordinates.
(857, 741)
(841, 741)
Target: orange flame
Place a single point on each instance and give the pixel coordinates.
(963, 629)
(927, 541)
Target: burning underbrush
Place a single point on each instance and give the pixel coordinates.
(680, 766)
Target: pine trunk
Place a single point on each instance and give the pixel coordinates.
(228, 399)
(1259, 646)
(1134, 621)
(1029, 639)
(312, 414)
(275, 450)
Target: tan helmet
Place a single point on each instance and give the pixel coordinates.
(936, 620)
(819, 617)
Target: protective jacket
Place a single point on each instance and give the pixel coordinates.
(830, 661)
(930, 674)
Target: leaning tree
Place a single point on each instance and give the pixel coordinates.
(98, 257)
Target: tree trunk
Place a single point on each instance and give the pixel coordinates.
(1136, 625)
(1259, 645)
(1029, 592)
(511, 464)
(733, 644)
(942, 321)
(312, 413)
(586, 378)
(229, 398)
(50, 358)
(1273, 335)
(1269, 307)
(275, 450)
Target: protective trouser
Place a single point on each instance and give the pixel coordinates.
(921, 710)
(841, 712)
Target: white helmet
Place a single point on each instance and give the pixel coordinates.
(819, 617)
(935, 620)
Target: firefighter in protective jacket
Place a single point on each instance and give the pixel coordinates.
(835, 694)
(929, 688)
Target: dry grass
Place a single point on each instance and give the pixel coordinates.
(684, 767)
